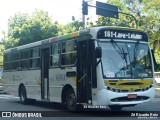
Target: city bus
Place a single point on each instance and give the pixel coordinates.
(100, 66)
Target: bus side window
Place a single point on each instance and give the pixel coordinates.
(55, 50)
(15, 61)
(68, 52)
(7, 59)
(24, 63)
(35, 58)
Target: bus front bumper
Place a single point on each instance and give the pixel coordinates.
(106, 97)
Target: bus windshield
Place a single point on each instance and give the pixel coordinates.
(126, 60)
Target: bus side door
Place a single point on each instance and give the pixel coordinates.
(85, 58)
(45, 73)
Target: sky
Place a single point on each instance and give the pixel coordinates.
(59, 10)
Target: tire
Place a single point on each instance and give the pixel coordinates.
(70, 100)
(23, 95)
(115, 107)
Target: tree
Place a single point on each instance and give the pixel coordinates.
(72, 27)
(24, 29)
(1, 53)
(151, 24)
(125, 21)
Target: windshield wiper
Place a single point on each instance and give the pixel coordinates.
(117, 48)
(120, 51)
(124, 56)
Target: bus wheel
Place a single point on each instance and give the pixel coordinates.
(23, 96)
(115, 107)
(71, 100)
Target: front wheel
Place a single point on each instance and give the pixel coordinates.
(23, 95)
(71, 100)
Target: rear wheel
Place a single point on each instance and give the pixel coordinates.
(23, 95)
(71, 100)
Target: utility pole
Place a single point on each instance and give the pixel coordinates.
(83, 20)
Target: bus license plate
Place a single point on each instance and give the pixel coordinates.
(132, 95)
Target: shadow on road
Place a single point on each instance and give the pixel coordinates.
(59, 110)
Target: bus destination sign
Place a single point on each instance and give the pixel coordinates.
(121, 34)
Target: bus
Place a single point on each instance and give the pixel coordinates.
(100, 66)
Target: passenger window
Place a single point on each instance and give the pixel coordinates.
(35, 53)
(25, 54)
(15, 56)
(7, 64)
(24, 63)
(15, 61)
(68, 52)
(14, 65)
(55, 50)
(35, 58)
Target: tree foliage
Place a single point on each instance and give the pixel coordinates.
(1, 53)
(125, 21)
(152, 24)
(133, 7)
(72, 27)
(24, 29)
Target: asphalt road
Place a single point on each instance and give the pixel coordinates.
(11, 104)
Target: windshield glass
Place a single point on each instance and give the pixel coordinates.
(126, 60)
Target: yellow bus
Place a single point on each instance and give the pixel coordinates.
(100, 66)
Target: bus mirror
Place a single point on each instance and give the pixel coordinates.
(98, 52)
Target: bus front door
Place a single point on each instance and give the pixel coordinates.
(83, 73)
(45, 73)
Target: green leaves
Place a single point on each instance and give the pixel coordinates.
(152, 24)
(24, 29)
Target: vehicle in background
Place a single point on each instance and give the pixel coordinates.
(1, 76)
(157, 78)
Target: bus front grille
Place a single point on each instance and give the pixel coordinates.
(126, 99)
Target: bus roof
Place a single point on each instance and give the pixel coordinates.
(115, 28)
(42, 42)
(92, 31)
